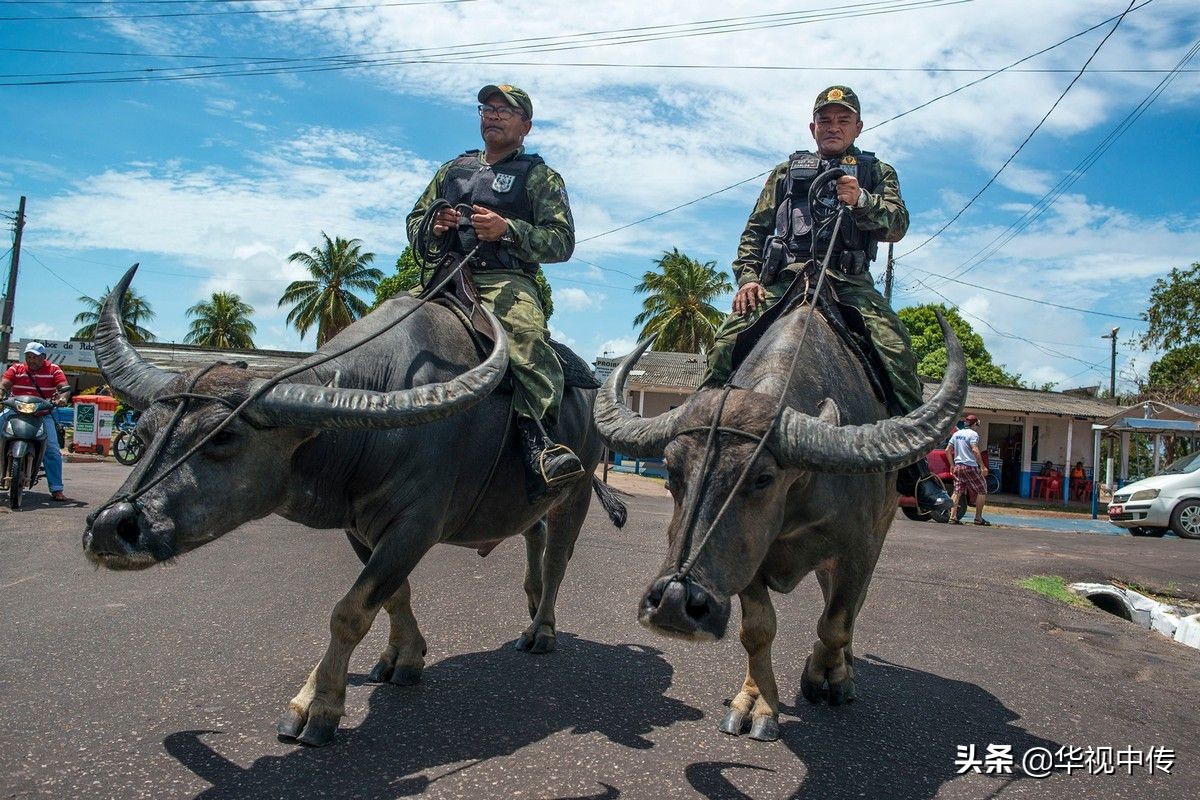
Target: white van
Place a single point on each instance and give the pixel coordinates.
(1169, 500)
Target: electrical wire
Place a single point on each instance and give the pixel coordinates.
(1021, 146)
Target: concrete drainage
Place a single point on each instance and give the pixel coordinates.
(1143, 611)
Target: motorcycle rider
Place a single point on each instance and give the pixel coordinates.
(38, 377)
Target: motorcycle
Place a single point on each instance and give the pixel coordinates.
(127, 446)
(23, 444)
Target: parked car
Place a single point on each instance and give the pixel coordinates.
(1168, 501)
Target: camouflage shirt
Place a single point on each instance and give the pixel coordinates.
(550, 238)
(884, 216)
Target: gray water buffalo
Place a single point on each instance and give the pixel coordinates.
(819, 496)
(400, 442)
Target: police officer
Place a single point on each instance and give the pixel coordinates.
(778, 241)
(520, 218)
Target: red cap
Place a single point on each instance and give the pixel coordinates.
(972, 419)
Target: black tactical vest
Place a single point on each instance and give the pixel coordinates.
(794, 219)
(498, 187)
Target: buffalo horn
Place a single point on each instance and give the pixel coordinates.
(624, 430)
(129, 375)
(304, 405)
(809, 443)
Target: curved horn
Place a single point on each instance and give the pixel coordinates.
(807, 442)
(136, 380)
(623, 430)
(303, 405)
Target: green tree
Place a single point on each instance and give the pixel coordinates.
(930, 350)
(679, 306)
(223, 321)
(339, 268)
(408, 277)
(1176, 375)
(134, 311)
(1174, 311)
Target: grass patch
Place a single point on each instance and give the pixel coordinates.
(1054, 587)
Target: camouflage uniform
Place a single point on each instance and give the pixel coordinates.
(886, 218)
(512, 295)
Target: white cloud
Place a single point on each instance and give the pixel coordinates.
(615, 347)
(570, 298)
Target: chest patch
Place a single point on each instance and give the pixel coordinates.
(502, 183)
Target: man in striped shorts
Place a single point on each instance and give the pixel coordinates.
(970, 469)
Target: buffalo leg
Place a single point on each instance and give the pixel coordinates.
(312, 715)
(403, 660)
(759, 697)
(564, 521)
(832, 661)
(535, 546)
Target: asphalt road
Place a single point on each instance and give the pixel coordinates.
(167, 683)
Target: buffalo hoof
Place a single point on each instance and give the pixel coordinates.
(407, 676)
(840, 693)
(764, 729)
(290, 725)
(734, 723)
(541, 641)
(808, 687)
(381, 673)
(318, 732)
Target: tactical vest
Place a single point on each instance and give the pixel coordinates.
(854, 249)
(498, 187)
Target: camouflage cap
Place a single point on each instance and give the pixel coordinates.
(838, 96)
(515, 97)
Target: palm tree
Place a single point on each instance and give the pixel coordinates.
(328, 301)
(134, 311)
(223, 321)
(679, 308)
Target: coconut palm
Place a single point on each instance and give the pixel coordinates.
(134, 311)
(223, 321)
(338, 268)
(679, 308)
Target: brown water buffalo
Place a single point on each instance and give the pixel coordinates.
(818, 497)
(400, 442)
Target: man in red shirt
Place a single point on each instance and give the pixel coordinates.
(39, 378)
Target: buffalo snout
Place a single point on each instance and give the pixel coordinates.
(114, 538)
(685, 609)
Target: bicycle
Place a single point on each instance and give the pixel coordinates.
(127, 446)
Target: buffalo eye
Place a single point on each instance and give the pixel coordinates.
(224, 442)
(763, 481)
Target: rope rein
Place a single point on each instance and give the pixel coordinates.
(185, 397)
(686, 566)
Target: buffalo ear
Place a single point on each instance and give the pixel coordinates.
(828, 412)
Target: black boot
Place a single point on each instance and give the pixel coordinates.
(917, 481)
(548, 466)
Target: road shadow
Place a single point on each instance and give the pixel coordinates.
(899, 740)
(468, 708)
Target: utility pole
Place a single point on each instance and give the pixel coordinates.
(6, 317)
(1112, 370)
(887, 278)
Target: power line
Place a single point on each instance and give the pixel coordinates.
(232, 11)
(1047, 200)
(55, 274)
(1021, 146)
(536, 44)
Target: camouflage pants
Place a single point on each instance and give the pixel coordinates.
(888, 334)
(513, 298)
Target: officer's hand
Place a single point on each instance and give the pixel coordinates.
(489, 226)
(848, 190)
(446, 219)
(748, 297)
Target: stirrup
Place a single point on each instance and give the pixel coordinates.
(551, 452)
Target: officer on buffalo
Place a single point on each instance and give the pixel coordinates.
(778, 243)
(520, 219)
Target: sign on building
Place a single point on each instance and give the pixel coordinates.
(66, 354)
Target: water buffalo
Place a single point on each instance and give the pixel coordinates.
(819, 496)
(401, 442)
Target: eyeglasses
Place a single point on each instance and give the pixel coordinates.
(501, 112)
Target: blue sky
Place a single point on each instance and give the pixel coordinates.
(211, 183)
